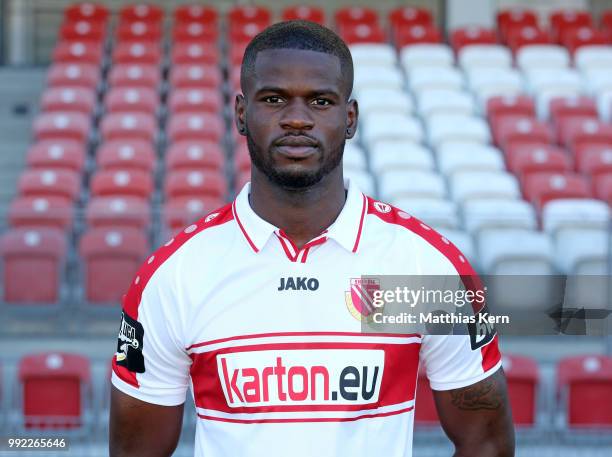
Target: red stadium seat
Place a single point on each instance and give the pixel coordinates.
(602, 186)
(516, 129)
(594, 159)
(354, 15)
(195, 32)
(575, 37)
(47, 183)
(122, 126)
(417, 34)
(196, 76)
(78, 52)
(139, 31)
(304, 13)
(242, 179)
(407, 16)
(195, 126)
(465, 36)
(515, 18)
(606, 20)
(135, 75)
(363, 33)
(54, 212)
(32, 253)
(55, 390)
(425, 413)
(542, 187)
(195, 184)
(141, 12)
(242, 160)
(182, 211)
(194, 155)
(112, 212)
(244, 32)
(57, 154)
(111, 258)
(62, 125)
(578, 130)
(195, 100)
(503, 105)
(194, 53)
(561, 107)
(562, 20)
(524, 159)
(242, 14)
(523, 377)
(525, 36)
(237, 54)
(122, 183)
(73, 75)
(83, 31)
(131, 100)
(86, 11)
(126, 155)
(203, 14)
(78, 99)
(585, 384)
(137, 53)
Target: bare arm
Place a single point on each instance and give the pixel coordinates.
(477, 418)
(140, 429)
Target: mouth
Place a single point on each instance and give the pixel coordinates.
(296, 148)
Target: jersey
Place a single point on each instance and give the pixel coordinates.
(262, 333)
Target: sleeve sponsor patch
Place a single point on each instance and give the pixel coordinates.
(481, 331)
(129, 345)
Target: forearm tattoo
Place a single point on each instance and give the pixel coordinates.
(486, 394)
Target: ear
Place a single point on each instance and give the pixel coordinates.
(352, 118)
(240, 114)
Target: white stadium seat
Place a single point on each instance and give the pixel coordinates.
(515, 252)
(441, 101)
(414, 184)
(604, 105)
(576, 213)
(593, 56)
(598, 80)
(464, 243)
(434, 212)
(391, 127)
(484, 55)
(469, 185)
(428, 78)
(391, 155)
(451, 127)
(373, 54)
(426, 55)
(542, 55)
(584, 252)
(363, 179)
(557, 79)
(543, 99)
(373, 101)
(495, 213)
(372, 76)
(476, 158)
(489, 82)
(354, 158)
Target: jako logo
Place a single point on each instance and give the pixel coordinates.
(298, 283)
(301, 377)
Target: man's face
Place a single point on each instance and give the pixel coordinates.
(296, 116)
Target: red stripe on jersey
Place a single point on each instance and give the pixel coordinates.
(363, 213)
(321, 419)
(131, 300)
(246, 235)
(490, 353)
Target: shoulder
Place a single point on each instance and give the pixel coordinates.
(176, 248)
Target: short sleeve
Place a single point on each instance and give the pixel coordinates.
(150, 362)
(454, 361)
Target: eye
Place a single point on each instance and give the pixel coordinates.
(321, 102)
(272, 99)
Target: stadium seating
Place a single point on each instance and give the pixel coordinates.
(425, 414)
(56, 390)
(125, 182)
(50, 182)
(523, 379)
(585, 385)
(56, 154)
(305, 13)
(128, 211)
(52, 211)
(126, 155)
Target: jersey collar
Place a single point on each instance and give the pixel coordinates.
(346, 229)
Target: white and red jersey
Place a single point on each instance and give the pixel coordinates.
(264, 335)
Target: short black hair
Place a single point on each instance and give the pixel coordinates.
(303, 35)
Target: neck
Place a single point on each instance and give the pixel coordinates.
(301, 214)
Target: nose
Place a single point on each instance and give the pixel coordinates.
(296, 116)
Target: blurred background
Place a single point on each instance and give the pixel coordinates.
(489, 120)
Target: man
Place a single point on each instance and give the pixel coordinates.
(248, 304)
